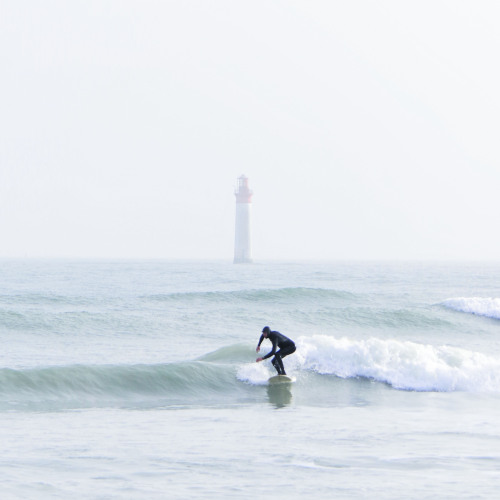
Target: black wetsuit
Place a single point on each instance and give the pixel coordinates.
(285, 345)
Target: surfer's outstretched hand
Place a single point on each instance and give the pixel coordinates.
(258, 348)
(258, 360)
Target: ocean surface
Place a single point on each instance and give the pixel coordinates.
(138, 380)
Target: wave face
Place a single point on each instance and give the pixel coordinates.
(81, 386)
(402, 365)
(489, 307)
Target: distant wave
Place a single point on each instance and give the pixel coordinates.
(48, 298)
(363, 315)
(489, 307)
(312, 306)
(266, 294)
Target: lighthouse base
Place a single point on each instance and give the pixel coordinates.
(242, 260)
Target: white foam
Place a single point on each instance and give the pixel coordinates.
(475, 305)
(254, 373)
(404, 365)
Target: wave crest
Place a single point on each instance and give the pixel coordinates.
(489, 307)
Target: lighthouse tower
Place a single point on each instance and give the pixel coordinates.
(242, 229)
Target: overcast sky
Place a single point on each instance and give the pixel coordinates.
(368, 129)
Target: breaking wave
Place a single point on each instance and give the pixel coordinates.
(230, 375)
(489, 307)
(402, 365)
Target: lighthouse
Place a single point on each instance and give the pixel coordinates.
(243, 195)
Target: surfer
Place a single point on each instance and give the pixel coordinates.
(286, 347)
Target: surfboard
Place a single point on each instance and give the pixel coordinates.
(281, 379)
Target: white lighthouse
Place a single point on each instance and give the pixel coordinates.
(243, 195)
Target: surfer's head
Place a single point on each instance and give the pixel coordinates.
(266, 331)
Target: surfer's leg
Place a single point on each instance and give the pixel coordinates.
(276, 365)
(279, 364)
(285, 351)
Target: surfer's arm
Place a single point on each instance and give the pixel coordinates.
(260, 342)
(273, 350)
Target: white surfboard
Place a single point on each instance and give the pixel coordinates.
(281, 379)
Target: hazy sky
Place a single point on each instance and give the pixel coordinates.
(368, 129)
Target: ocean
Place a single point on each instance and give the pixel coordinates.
(137, 380)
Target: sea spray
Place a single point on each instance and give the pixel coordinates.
(255, 373)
